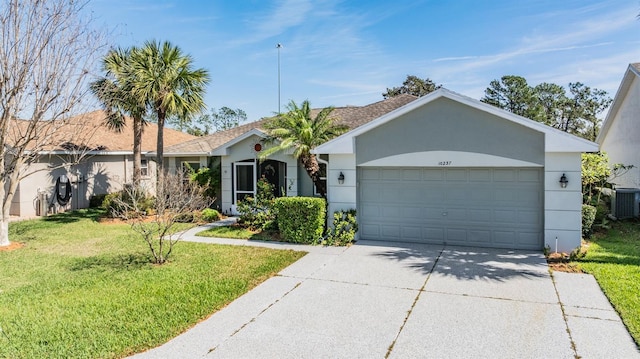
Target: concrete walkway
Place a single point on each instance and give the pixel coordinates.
(377, 300)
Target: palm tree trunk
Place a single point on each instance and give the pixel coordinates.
(137, 150)
(310, 164)
(160, 148)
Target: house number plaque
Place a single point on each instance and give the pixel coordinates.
(444, 163)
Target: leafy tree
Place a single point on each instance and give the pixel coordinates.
(598, 173)
(114, 92)
(588, 103)
(296, 129)
(413, 85)
(219, 120)
(575, 113)
(512, 93)
(165, 79)
(552, 102)
(47, 51)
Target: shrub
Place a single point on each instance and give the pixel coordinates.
(207, 178)
(135, 202)
(210, 215)
(301, 219)
(588, 217)
(96, 200)
(344, 228)
(257, 213)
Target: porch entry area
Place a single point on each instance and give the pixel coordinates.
(247, 173)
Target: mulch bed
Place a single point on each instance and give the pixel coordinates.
(560, 262)
(11, 247)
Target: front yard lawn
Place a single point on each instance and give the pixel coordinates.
(239, 232)
(614, 260)
(83, 289)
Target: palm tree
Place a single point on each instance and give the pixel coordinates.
(165, 79)
(114, 92)
(298, 130)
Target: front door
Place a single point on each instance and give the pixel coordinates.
(244, 184)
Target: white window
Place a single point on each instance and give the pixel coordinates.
(144, 168)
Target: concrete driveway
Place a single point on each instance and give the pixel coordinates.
(377, 300)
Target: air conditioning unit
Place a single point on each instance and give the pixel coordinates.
(625, 203)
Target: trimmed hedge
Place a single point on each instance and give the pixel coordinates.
(588, 217)
(301, 219)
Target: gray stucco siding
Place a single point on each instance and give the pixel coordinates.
(446, 125)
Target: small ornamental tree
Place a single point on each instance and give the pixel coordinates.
(175, 198)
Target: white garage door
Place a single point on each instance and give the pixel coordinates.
(484, 207)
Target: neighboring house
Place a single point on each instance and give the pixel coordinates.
(106, 162)
(236, 153)
(448, 169)
(620, 133)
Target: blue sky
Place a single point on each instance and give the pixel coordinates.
(337, 53)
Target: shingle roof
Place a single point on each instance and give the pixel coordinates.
(89, 131)
(352, 116)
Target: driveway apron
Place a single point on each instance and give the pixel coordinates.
(377, 300)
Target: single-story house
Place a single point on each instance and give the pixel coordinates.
(449, 169)
(620, 133)
(105, 163)
(443, 168)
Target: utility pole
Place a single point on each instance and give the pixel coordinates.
(279, 46)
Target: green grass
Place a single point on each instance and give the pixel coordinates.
(238, 232)
(82, 289)
(614, 260)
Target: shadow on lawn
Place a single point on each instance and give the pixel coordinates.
(75, 216)
(113, 262)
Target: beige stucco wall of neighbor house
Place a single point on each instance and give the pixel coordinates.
(562, 206)
(94, 175)
(243, 150)
(622, 141)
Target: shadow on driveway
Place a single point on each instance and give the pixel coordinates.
(468, 263)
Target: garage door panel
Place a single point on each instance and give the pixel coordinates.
(412, 233)
(473, 206)
(390, 231)
(456, 175)
(480, 175)
(480, 215)
(504, 175)
(391, 175)
(433, 234)
(529, 238)
(432, 174)
(505, 237)
(479, 237)
(531, 175)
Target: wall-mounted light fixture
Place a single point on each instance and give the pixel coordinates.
(341, 178)
(563, 181)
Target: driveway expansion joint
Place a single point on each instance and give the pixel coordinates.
(257, 316)
(415, 301)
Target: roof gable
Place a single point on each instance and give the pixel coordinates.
(555, 140)
(633, 72)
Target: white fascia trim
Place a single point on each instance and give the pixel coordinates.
(186, 154)
(223, 150)
(555, 140)
(104, 153)
(618, 99)
(447, 159)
